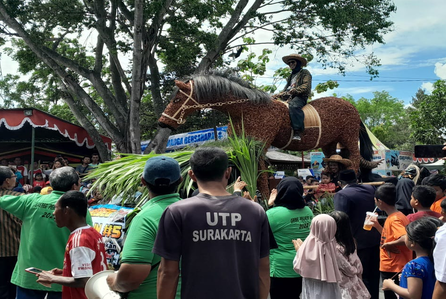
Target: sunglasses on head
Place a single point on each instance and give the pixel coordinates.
(292, 61)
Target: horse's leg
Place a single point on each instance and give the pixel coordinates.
(351, 146)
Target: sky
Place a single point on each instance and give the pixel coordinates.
(413, 57)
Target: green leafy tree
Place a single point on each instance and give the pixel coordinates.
(387, 118)
(428, 118)
(104, 84)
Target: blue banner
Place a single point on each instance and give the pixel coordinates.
(179, 141)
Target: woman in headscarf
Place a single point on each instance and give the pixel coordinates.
(289, 219)
(316, 261)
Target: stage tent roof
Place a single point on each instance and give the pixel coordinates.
(53, 136)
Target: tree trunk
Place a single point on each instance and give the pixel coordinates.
(137, 85)
(155, 79)
(159, 142)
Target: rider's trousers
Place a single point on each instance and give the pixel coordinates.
(296, 114)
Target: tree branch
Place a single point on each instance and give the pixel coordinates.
(86, 124)
(109, 40)
(58, 40)
(3, 31)
(223, 38)
(63, 75)
(98, 55)
(117, 109)
(125, 12)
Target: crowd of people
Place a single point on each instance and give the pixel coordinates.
(35, 179)
(220, 245)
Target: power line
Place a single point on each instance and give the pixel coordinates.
(379, 81)
(368, 80)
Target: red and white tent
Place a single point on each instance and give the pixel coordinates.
(52, 136)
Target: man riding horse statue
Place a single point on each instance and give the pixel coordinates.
(296, 92)
(329, 123)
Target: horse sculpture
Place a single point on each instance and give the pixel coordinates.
(328, 121)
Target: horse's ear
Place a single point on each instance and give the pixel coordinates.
(181, 84)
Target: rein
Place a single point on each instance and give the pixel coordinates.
(197, 105)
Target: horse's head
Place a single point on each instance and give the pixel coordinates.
(181, 105)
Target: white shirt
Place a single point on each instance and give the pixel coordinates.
(440, 254)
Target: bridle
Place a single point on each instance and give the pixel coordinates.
(197, 105)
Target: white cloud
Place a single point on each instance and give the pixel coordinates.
(440, 70)
(428, 86)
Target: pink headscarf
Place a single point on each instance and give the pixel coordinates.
(316, 258)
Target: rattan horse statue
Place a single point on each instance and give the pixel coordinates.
(328, 121)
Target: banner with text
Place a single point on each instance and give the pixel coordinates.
(109, 221)
(179, 141)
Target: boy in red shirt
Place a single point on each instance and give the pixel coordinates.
(391, 263)
(85, 250)
(421, 200)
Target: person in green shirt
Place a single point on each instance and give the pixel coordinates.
(289, 219)
(42, 243)
(138, 272)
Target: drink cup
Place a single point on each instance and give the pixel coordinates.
(369, 216)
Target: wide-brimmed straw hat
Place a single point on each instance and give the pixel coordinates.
(287, 58)
(339, 159)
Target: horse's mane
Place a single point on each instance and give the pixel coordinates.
(216, 86)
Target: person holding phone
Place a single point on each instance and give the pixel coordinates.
(42, 243)
(85, 250)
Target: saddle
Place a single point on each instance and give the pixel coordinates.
(312, 119)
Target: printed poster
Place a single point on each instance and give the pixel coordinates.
(109, 221)
(405, 159)
(392, 160)
(317, 163)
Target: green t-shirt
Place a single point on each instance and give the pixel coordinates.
(139, 243)
(287, 225)
(42, 243)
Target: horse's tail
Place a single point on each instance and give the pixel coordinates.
(365, 144)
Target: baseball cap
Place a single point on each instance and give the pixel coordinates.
(161, 171)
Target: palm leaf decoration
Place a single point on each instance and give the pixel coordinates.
(122, 177)
(245, 155)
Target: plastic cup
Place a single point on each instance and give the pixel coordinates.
(368, 223)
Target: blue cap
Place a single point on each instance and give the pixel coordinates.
(161, 171)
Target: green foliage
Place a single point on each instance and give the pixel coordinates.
(248, 67)
(428, 118)
(89, 48)
(323, 87)
(352, 25)
(387, 118)
(123, 176)
(245, 155)
(325, 205)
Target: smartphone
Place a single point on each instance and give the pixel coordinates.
(33, 270)
(429, 151)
